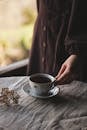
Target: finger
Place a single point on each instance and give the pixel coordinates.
(61, 71)
(63, 75)
(65, 81)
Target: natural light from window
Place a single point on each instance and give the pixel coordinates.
(17, 18)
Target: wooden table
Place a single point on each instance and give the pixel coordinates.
(65, 111)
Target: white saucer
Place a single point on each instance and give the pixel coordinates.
(51, 93)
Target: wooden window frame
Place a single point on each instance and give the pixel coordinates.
(15, 69)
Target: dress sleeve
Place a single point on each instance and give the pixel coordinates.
(76, 38)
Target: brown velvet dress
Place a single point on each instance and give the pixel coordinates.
(60, 30)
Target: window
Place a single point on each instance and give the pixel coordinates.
(17, 18)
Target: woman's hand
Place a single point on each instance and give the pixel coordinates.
(67, 72)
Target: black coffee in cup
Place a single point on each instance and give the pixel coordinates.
(40, 79)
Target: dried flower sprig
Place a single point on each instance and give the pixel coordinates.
(9, 96)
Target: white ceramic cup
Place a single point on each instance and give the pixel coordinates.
(40, 83)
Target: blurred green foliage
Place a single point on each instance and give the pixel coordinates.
(15, 44)
(28, 15)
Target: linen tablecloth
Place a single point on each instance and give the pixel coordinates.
(66, 111)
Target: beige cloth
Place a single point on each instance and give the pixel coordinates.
(66, 111)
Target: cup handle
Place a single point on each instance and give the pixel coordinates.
(52, 84)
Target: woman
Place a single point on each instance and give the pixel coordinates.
(59, 39)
